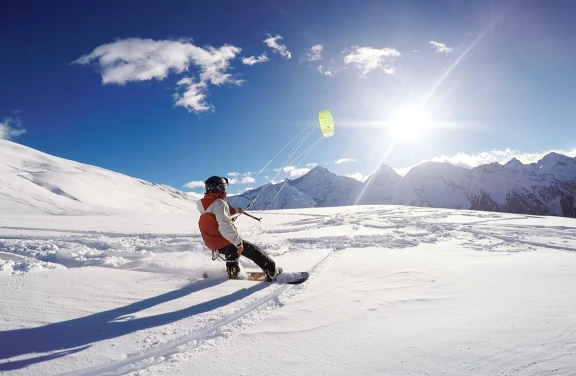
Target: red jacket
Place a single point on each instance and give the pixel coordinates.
(215, 223)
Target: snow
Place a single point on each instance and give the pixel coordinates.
(102, 274)
(433, 184)
(379, 187)
(327, 188)
(32, 182)
(394, 290)
(556, 166)
(272, 196)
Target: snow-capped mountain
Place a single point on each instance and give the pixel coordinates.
(524, 189)
(273, 196)
(557, 167)
(379, 186)
(546, 187)
(327, 188)
(432, 184)
(32, 182)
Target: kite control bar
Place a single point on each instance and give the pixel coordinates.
(249, 215)
(244, 211)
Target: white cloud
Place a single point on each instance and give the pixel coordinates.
(243, 190)
(11, 127)
(194, 184)
(272, 42)
(241, 178)
(358, 176)
(323, 70)
(194, 98)
(295, 172)
(314, 54)
(255, 60)
(367, 59)
(441, 47)
(344, 160)
(135, 59)
(470, 161)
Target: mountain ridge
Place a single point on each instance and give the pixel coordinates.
(545, 187)
(33, 182)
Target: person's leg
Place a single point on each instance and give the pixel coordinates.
(260, 258)
(231, 255)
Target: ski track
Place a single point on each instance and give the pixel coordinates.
(389, 228)
(395, 228)
(510, 239)
(234, 323)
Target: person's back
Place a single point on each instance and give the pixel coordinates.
(216, 226)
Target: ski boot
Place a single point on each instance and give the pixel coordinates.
(233, 272)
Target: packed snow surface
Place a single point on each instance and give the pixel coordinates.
(393, 291)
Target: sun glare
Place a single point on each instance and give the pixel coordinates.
(409, 123)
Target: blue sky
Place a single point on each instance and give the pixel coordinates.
(165, 91)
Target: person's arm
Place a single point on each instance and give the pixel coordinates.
(234, 211)
(225, 226)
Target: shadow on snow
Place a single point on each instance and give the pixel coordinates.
(72, 336)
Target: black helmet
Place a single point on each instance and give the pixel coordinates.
(216, 184)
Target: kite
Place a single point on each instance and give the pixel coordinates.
(326, 123)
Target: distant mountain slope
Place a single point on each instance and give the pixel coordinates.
(32, 182)
(327, 188)
(433, 184)
(379, 187)
(273, 196)
(547, 187)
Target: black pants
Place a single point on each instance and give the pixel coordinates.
(252, 252)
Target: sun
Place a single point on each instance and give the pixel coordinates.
(409, 123)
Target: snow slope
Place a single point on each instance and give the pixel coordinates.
(394, 290)
(379, 187)
(32, 182)
(327, 188)
(433, 184)
(547, 187)
(272, 196)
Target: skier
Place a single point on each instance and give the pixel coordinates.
(220, 234)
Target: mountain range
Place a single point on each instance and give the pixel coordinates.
(33, 182)
(546, 187)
